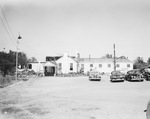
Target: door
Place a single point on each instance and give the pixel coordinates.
(49, 71)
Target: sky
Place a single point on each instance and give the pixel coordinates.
(89, 27)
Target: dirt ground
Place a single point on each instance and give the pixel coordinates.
(74, 98)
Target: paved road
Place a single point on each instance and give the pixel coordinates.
(75, 98)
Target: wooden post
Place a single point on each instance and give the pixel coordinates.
(114, 58)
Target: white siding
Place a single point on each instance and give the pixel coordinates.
(37, 67)
(65, 62)
(105, 68)
(123, 66)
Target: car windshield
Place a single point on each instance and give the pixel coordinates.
(115, 72)
(94, 72)
(134, 72)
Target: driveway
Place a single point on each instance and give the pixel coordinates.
(74, 98)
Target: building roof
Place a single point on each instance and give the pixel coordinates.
(103, 60)
(49, 64)
(36, 62)
(55, 58)
(52, 58)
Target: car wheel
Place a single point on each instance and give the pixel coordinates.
(148, 111)
(142, 80)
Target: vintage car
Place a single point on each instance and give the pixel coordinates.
(148, 110)
(94, 75)
(117, 76)
(134, 75)
(146, 73)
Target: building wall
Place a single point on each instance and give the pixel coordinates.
(123, 66)
(65, 61)
(104, 66)
(37, 67)
(65, 64)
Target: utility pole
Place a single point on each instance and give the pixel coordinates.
(19, 37)
(114, 58)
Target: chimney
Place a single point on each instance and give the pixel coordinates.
(65, 54)
(78, 55)
(89, 57)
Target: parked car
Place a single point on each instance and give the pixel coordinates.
(146, 73)
(148, 110)
(94, 75)
(117, 76)
(134, 75)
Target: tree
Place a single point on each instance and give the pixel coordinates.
(139, 60)
(7, 64)
(108, 56)
(148, 61)
(122, 57)
(139, 63)
(22, 59)
(8, 61)
(32, 59)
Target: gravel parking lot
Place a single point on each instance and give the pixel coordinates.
(74, 98)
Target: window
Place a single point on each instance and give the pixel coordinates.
(82, 65)
(91, 65)
(49, 69)
(71, 66)
(128, 65)
(109, 65)
(118, 65)
(82, 68)
(100, 65)
(60, 66)
(30, 66)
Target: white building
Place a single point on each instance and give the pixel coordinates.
(104, 65)
(61, 65)
(36, 66)
(66, 64)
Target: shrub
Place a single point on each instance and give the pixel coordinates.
(5, 81)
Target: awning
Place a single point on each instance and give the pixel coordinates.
(50, 64)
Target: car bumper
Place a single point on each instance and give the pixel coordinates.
(98, 79)
(117, 79)
(136, 79)
(147, 78)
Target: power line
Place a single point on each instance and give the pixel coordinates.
(7, 32)
(7, 22)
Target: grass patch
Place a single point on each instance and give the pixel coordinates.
(37, 109)
(24, 115)
(17, 113)
(8, 102)
(11, 110)
(5, 81)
